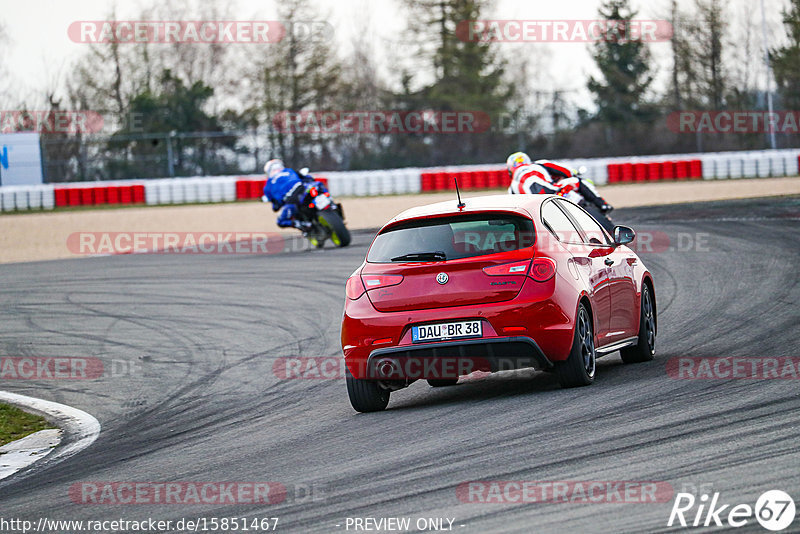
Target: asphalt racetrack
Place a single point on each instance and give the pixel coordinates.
(192, 391)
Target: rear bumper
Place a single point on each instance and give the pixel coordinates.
(451, 359)
(536, 326)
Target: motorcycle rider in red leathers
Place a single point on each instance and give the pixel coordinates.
(546, 177)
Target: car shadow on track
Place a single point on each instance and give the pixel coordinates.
(611, 372)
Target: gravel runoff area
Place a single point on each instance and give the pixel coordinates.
(44, 235)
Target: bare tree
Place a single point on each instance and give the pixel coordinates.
(298, 74)
(109, 74)
(5, 78)
(707, 37)
(207, 63)
(360, 88)
(743, 56)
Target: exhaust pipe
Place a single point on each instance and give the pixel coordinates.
(387, 369)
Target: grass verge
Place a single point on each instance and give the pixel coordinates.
(16, 424)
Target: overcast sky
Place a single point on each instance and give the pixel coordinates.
(40, 50)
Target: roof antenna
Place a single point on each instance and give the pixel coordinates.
(461, 204)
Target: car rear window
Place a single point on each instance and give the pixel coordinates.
(452, 238)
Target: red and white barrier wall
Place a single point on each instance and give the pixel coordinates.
(708, 166)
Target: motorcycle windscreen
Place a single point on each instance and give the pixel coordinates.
(452, 261)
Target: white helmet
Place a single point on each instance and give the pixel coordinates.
(517, 160)
(273, 167)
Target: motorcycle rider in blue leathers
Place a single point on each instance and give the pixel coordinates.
(285, 189)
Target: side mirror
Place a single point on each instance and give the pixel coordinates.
(623, 235)
(304, 171)
(582, 170)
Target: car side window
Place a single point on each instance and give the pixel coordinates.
(559, 224)
(592, 230)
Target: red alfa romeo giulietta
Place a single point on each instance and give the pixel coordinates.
(494, 283)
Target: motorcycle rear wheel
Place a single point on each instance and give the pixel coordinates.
(333, 223)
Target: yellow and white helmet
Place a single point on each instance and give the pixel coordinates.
(517, 160)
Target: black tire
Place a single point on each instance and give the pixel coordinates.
(340, 235)
(645, 348)
(580, 366)
(601, 217)
(366, 395)
(442, 382)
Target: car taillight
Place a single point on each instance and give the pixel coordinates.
(354, 288)
(374, 281)
(543, 269)
(519, 267)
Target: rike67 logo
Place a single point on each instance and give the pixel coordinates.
(774, 510)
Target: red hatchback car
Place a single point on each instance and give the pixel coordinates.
(502, 282)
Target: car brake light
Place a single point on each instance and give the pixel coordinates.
(354, 288)
(520, 267)
(543, 269)
(375, 281)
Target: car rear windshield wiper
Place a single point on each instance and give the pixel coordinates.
(422, 256)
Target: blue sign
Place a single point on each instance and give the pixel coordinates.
(20, 158)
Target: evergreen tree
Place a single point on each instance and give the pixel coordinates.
(786, 59)
(625, 73)
(300, 73)
(174, 106)
(467, 76)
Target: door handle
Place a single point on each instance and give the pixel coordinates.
(609, 262)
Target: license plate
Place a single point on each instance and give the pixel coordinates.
(444, 331)
(322, 202)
